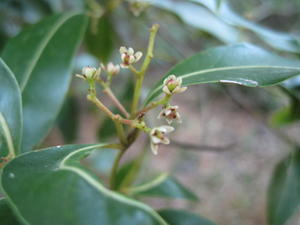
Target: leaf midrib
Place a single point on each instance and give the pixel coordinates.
(96, 184)
(227, 68)
(14, 80)
(42, 46)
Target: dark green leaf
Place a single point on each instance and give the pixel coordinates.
(179, 217)
(41, 59)
(278, 40)
(51, 187)
(164, 186)
(128, 173)
(100, 38)
(6, 215)
(242, 64)
(284, 190)
(68, 119)
(10, 112)
(201, 18)
(102, 161)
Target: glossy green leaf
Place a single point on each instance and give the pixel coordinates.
(100, 40)
(41, 58)
(6, 215)
(164, 186)
(179, 217)
(278, 40)
(10, 112)
(242, 64)
(284, 190)
(102, 161)
(54, 178)
(68, 119)
(200, 18)
(129, 172)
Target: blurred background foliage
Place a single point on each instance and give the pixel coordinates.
(261, 124)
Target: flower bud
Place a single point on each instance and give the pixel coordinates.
(111, 69)
(172, 85)
(89, 73)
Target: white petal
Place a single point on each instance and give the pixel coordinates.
(160, 115)
(155, 140)
(154, 148)
(183, 89)
(166, 90)
(130, 51)
(131, 59)
(178, 90)
(80, 76)
(98, 72)
(172, 76)
(165, 129)
(123, 56)
(166, 81)
(179, 80)
(167, 112)
(165, 141)
(138, 56)
(123, 50)
(110, 66)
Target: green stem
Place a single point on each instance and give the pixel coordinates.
(112, 179)
(149, 54)
(153, 105)
(140, 74)
(120, 132)
(137, 93)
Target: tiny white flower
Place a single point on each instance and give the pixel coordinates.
(157, 136)
(172, 85)
(89, 73)
(129, 57)
(110, 68)
(170, 113)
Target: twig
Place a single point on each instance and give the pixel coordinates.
(111, 95)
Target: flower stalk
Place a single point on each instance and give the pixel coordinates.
(140, 74)
(136, 118)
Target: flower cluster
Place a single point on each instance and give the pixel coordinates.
(128, 57)
(171, 86)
